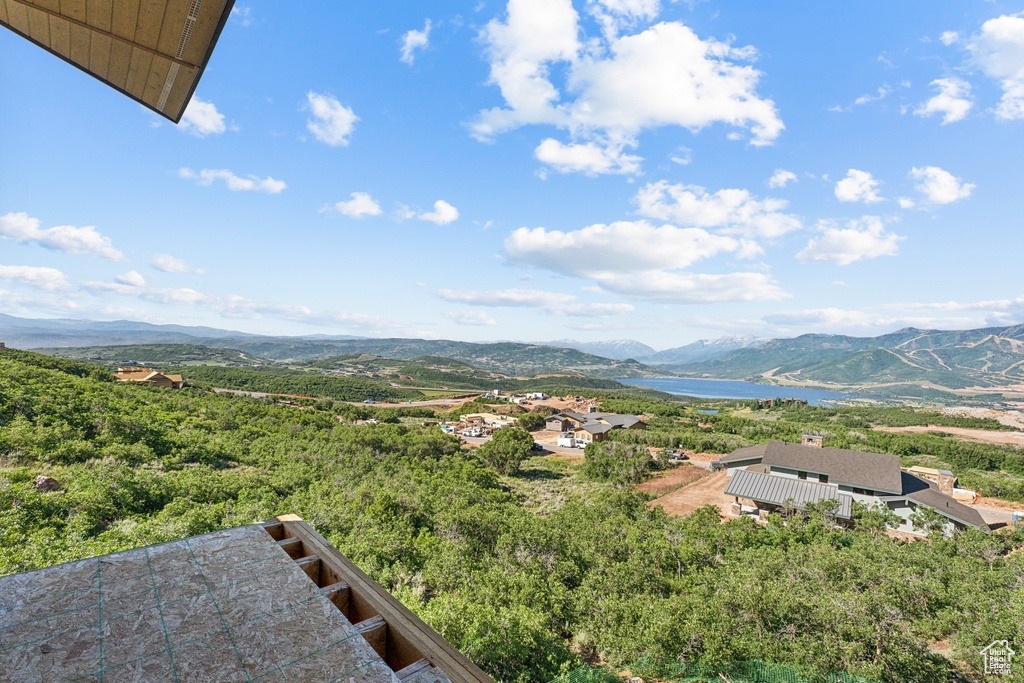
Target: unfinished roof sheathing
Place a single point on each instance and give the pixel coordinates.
(234, 605)
(154, 51)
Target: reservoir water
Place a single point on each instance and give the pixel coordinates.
(720, 388)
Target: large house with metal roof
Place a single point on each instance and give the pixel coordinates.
(779, 474)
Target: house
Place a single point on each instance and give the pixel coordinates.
(490, 420)
(591, 432)
(570, 421)
(536, 396)
(771, 474)
(149, 376)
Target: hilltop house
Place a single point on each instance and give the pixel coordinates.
(593, 426)
(771, 474)
(489, 420)
(149, 376)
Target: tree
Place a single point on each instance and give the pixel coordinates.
(875, 519)
(507, 450)
(531, 422)
(928, 520)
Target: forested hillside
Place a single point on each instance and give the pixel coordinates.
(528, 574)
(897, 364)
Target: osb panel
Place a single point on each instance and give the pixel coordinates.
(225, 606)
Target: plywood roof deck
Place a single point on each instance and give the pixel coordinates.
(272, 602)
(154, 51)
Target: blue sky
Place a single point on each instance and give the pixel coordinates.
(535, 170)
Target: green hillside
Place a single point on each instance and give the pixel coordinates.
(908, 363)
(157, 354)
(530, 573)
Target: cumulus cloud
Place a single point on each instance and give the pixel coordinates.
(906, 202)
(201, 118)
(641, 260)
(414, 40)
(20, 227)
(953, 100)
(47, 279)
(860, 239)
(616, 86)
(469, 318)
(858, 186)
(554, 303)
(132, 278)
(949, 37)
(169, 264)
(998, 49)
(235, 183)
(332, 123)
(361, 204)
(588, 158)
(781, 178)
(939, 186)
(731, 211)
(443, 213)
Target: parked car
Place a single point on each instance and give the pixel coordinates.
(536, 447)
(369, 400)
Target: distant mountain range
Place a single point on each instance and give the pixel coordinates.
(905, 363)
(619, 349)
(80, 338)
(705, 349)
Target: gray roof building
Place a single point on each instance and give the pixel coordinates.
(873, 474)
(765, 488)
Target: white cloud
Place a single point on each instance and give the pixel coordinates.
(239, 307)
(361, 204)
(528, 298)
(939, 186)
(858, 186)
(48, 279)
(242, 14)
(616, 87)
(169, 264)
(906, 202)
(443, 213)
(588, 158)
(235, 183)
(132, 278)
(999, 50)
(620, 246)
(20, 227)
(469, 318)
(781, 178)
(640, 260)
(554, 303)
(332, 122)
(414, 40)
(883, 91)
(949, 37)
(201, 118)
(861, 239)
(731, 211)
(953, 100)
(690, 288)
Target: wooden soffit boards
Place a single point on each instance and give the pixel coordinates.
(153, 51)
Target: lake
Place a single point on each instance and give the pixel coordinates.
(720, 388)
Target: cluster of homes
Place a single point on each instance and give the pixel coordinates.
(779, 475)
(579, 429)
(478, 424)
(515, 398)
(149, 376)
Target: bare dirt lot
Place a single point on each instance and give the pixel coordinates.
(980, 435)
(707, 490)
(672, 479)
